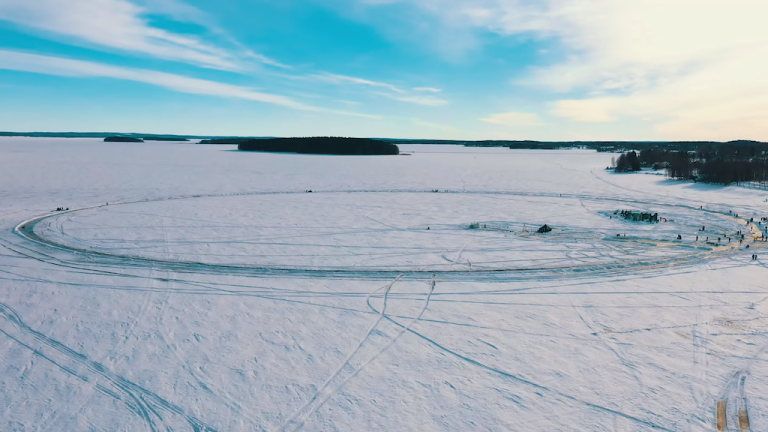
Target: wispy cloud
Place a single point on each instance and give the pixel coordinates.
(418, 99)
(122, 25)
(348, 102)
(344, 79)
(49, 65)
(427, 89)
(514, 119)
(394, 92)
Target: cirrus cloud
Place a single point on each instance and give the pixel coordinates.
(49, 65)
(123, 25)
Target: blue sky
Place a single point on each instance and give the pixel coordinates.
(453, 69)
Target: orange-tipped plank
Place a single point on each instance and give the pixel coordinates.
(721, 422)
(743, 421)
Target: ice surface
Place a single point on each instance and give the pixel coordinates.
(214, 293)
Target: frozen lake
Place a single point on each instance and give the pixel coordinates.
(193, 287)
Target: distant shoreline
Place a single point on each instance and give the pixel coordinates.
(600, 146)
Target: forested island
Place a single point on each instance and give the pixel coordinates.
(163, 138)
(321, 145)
(122, 139)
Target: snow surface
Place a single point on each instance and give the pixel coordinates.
(214, 293)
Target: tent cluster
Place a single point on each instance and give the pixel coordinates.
(637, 216)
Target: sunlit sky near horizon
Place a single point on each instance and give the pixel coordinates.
(452, 69)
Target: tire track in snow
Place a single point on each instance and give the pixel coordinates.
(140, 401)
(107, 358)
(524, 381)
(611, 345)
(349, 356)
(735, 392)
(370, 359)
(168, 289)
(700, 335)
(368, 216)
(466, 173)
(459, 253)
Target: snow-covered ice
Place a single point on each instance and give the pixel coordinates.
(213, 292)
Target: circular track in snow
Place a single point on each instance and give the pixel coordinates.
(386, 232)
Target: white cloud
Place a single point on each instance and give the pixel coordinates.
(693, 66)
(427, 89)
(344, 79)
(514, 119)
(394, 93)
(122, 25)
(348, 102)
(419, 100)
(18, 61)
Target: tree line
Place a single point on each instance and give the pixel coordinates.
(726, 163)
(627, 162)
